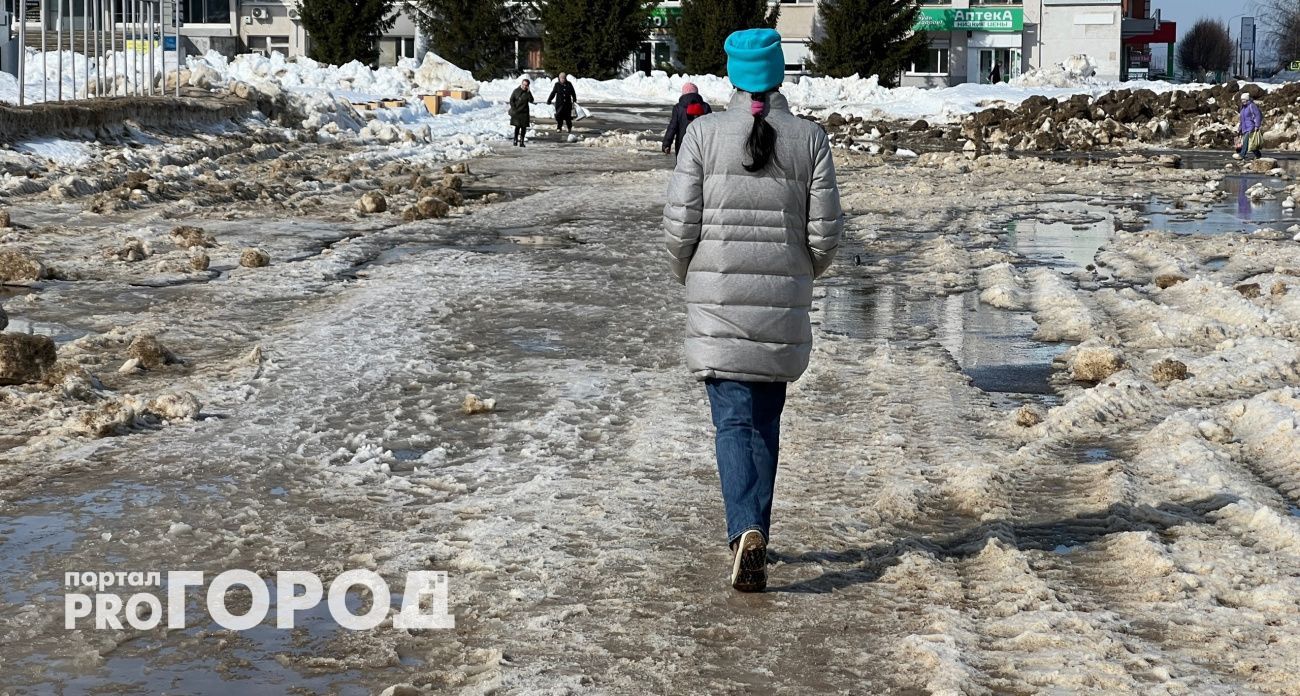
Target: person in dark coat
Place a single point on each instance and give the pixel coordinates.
(519, 118)
(564, 97)
(995, 75)
(689, 107)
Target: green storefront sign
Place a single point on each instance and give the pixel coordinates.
(1010, 19)
(665, 18)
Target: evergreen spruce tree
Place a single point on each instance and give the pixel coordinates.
(341, 31)
(592, 38)
(868, 37)
(705, 25)
(476, 35)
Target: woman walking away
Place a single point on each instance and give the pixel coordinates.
(753, 216)
(1251, 128)
(519, 101)
(564, 97)
(690, 106)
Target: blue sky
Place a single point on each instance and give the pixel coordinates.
(1186, 12)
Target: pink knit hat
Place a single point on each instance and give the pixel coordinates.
(690, 88)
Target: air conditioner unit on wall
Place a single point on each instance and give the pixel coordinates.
(293, 13)
(259, 13)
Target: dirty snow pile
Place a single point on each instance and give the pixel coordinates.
(1203, 116)
(324, 98)
(1076, 71)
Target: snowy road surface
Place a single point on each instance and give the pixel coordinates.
(1129, 535)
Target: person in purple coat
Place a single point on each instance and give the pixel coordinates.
(1251, 128)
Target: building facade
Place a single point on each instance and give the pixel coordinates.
(659, 51)
(967, 38)
(231, 27)
(982, 40)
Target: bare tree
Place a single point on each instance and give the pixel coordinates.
(1206, 48)
(1282, 18)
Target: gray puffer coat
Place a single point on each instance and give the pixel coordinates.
(748, 246)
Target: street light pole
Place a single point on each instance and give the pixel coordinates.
(1237, 63)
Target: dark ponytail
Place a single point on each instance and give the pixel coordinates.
(761, 144)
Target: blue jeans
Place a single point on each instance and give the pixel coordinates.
(747, 416)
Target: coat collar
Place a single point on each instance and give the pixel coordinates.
(740, 101)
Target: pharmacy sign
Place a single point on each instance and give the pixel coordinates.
(1009, 19)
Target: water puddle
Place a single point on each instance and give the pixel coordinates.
(1066, 238)
(45, 530)
(992, 346)
(154, 664)
(1234, 215)
(25, 539)
(1097, 454)
(539, 237)
(51, 526)
(60, 333)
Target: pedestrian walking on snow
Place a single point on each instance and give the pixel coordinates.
(1251, 128)
(995, 75)
(753, 216)
(564, 97)
(519, 114)
(689, 107)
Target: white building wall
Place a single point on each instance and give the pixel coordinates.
(1033, 36)
(798, 26)
(274, 30)
(272, 25)
(1071, 27)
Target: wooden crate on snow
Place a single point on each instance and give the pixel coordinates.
(432, 102)
(460, 94)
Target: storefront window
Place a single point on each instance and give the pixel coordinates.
(935, 63)
(207, 12)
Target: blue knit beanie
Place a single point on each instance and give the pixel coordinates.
(755, 62)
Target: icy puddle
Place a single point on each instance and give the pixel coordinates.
(1068, 243)
(992, 346)
(35, 536)
(101, 527)
(1235, 214)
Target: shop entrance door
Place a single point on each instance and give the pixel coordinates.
(1007, 60)
(645, 58)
